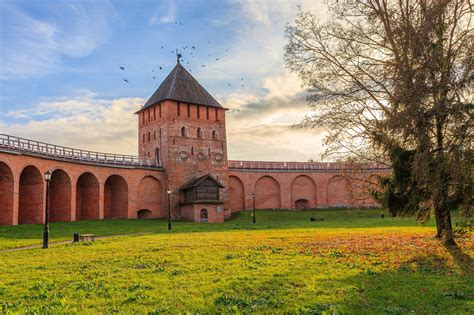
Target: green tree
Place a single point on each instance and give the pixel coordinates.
(391, 82)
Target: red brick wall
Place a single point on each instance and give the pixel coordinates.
(237, 194)
(23, 200)
(6, 194)
(323, 188)
(60, 196)
(267, 193)
(149, 196)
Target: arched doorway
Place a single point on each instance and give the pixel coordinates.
(31, 201)
(338, 192)
(115, 198)
(87, 197)
(267, 193)
(6, 194)
(149, 196)
(144, 214)
(60, 196)
(303, 188)
(204, 217)
(237, 194)
(302, 204)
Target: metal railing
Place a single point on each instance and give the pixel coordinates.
(303, 166)
(56, 151)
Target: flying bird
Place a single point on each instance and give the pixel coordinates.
(217, 59)
(228, 84)
(122, 68)
(154, 78)
(161, 68)
(194, 47)
(126, 80)
(203, 65)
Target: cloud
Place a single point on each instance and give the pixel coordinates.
(84, 122)
(169, 7)
(32, 46)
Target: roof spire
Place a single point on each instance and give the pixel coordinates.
(178, 56)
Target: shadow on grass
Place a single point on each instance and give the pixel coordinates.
(463, 260)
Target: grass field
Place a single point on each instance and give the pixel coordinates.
(352, 262)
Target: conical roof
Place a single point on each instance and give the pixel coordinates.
(181, 86)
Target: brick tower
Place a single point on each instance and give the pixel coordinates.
(183, 127)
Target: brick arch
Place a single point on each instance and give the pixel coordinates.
(115, 198)
(237, 194)
(267, 193)
(303, 192)
(31, 200)
(60, 196)
(149, 197)
(338, 192)
(6, 194)
(87, 197)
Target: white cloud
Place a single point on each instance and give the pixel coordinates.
(169, 16)
(84, 122)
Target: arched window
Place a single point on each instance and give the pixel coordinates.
(183, 131)
(204, 217)
(199, 133)
(214, 135)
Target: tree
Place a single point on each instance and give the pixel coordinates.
(391, 82)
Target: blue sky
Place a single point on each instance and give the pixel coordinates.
(59, 70)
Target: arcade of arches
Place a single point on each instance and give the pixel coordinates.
(80, 194)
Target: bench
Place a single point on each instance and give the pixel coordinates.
(83, 237)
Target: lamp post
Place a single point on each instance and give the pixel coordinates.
(169, 208)
(253, 197)
(47, 178)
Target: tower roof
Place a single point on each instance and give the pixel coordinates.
(181, 86)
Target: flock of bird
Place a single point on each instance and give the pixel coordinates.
(190, 50)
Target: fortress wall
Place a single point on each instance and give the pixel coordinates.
(77, 191)
(300, 189)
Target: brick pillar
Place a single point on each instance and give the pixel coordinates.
(101, 200)
(73, 199)
(285, 194)
(16, 198)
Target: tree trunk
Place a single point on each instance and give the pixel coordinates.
(448, 236)
(439, 222)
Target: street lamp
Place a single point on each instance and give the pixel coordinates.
(169, 208)
(47, 178)
(253, 197)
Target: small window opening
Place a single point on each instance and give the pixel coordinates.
(183, 131)
(199, 133)
(214, 135)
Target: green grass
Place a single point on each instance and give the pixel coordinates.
(31, 234)
(352, 262)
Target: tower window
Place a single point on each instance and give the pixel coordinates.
(214, 135)
(143, 117)
(179, 109)
(198, 110)
(183, 131)
(189, 110)
(192, 150)
(217, 114)
(159, 109)
(199, 133)
(154, 112)
(149, 137)
(148, 112)
(143, 138)
(207, 113)
(154, 134)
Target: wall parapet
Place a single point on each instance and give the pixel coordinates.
(301, 166)
(51, 150)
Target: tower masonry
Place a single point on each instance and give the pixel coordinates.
(182, 127)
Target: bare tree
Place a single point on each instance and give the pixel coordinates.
(391, 82)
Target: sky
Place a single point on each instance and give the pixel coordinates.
(61, 82)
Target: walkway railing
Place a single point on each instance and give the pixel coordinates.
(303, 166)
(56, 151)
